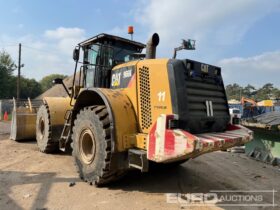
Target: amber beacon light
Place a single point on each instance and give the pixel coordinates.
(130, 31)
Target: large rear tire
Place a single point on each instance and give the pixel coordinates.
(92, 146)
(43, 131)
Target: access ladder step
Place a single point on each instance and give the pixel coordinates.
(138, 159)
(65, 134)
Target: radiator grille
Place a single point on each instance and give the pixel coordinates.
(198, 96)
(145, 102)
(198, 92)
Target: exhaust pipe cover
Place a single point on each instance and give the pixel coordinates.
(151, 46)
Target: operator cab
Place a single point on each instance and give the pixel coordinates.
(101, 53)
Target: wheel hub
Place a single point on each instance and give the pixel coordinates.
(87, 146)
(41, 127)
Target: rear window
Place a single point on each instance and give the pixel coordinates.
(236, 111)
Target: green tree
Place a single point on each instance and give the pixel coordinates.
(7, 66)
(276, 93)
(12, 84)
(265, 92)
(7, 61)
(249, 91)
(268, 91)
(30, 88)
(234, 91)
(46, 82)
(8, 83)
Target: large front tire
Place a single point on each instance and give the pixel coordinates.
(92, 146)
(43, 131)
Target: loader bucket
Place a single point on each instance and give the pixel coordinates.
(23, 126)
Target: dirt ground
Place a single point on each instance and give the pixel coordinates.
(33, 180)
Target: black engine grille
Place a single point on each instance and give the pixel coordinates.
(198, 96)
(198, 93)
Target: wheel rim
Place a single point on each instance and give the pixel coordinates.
(87, 146)
(41, 127)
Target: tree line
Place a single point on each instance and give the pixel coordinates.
(28, 87)
(267, 91)
(32, 88)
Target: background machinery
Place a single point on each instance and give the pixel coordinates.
(235, 115)
(128, 108)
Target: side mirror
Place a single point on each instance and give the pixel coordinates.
(57, 81)
(76, 54)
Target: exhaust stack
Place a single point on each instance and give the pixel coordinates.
(151, 46)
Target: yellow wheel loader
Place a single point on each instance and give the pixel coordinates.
(130, 108)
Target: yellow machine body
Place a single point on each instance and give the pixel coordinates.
(130, 109)
(58, 107)
(126, 111)
(139, 104)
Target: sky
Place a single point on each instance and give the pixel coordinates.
(241, 36)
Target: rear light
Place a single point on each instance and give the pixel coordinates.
(172, 121)
(172, 124)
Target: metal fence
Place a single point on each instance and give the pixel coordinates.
(6, 105)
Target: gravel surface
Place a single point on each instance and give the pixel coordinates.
(5, 127)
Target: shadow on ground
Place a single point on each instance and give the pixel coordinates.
(169, 179)
(10, 179)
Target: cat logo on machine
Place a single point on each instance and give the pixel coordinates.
(116, 79)
(122, 77)
(204, 68)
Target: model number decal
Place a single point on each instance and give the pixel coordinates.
(127, 74)
(161, 96)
